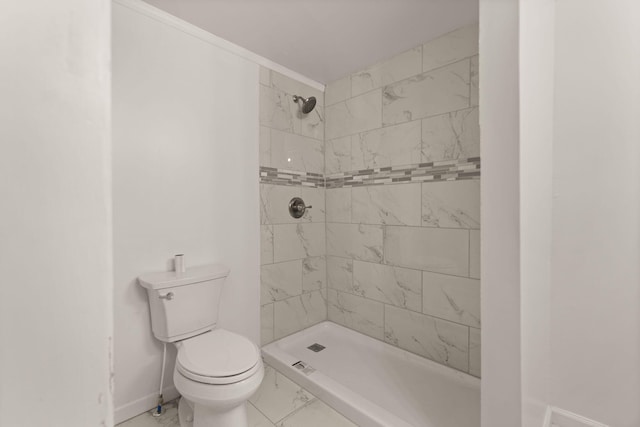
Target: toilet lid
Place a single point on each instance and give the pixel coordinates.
(217, 357)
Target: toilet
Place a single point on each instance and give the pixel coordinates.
(216, 370)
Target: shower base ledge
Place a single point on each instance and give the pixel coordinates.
(374, 383)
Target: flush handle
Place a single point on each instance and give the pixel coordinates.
(168, 296)
(297, 208)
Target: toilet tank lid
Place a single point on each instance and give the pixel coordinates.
(169, 279)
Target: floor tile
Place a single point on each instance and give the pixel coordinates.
(278, 396)
(257, 418)
(279, 401)
(316, 414)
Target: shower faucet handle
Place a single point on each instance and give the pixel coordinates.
(297, 208)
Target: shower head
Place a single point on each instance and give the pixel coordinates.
(307, 103)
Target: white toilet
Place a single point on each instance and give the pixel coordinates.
(216, 370)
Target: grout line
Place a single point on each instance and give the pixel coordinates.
(263, 414)
(402, 266)
(470, 66)
(422, 291)
(388, 304)
(422, 204)
(444, 113)
(469, 254)
(295, 411)
(384, 322)
(468, 349)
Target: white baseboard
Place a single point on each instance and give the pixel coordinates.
(557, 417)
(146, 403)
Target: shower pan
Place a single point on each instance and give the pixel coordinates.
(373, 383)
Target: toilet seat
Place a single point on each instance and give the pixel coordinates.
(218, 357)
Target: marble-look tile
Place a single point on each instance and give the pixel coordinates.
(401, 287)
(386, 204)
(274, 203)
(316, 414)
(168, 419)
(431, 249)
(278, 396)
(435, 92)
(475, 81)
(280, 281)
(297, 241)
(314, 197)
(439, 340)
(294, 87)
(275, 109)
(310, 125)
(451, 298)
(451, 47)
(297, 313)
(255, 418)
(451, 204)
(474, 254)
(339, 205)
(337, 91)
(265, 146)
(354, 115)
(399, 67)
(337, 155)
(340, 273)
(314, 274)
(265, 76)
(451, 136)
(357, 241)
(296, 152)
(266, 244)
(360, 314)
(266, 324)
(390, 146)
(474, 352)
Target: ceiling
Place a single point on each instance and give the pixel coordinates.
(325, 39)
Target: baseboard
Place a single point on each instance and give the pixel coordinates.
(557, 417)
(146, 403)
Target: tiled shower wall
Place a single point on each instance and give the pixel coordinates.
(293, 270)
(398, 153)
(403, 200)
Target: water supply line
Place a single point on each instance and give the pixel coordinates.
(158, 410)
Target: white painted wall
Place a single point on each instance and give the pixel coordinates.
(55, 224)
(500, 210)
(185, 155)
(536, 45)
(579, 282)
(595, 294)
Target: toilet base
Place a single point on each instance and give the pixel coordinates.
(194, 415)
(185, 412)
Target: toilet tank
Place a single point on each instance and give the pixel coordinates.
(184, 304)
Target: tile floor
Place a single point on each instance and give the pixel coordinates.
(279, 402)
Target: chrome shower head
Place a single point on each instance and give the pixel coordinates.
(307, 103)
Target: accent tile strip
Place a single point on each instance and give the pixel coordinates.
(291, 178)
(446, 170)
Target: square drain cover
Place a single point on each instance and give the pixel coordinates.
(316, 347)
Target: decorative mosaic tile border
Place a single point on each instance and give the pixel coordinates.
(445, 170)
(285, 177)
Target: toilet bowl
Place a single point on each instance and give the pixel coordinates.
(216, 370)
(216, 373)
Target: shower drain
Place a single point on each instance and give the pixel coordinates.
(316, 347)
